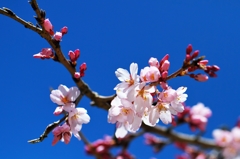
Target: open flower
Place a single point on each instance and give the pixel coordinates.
(129, 80)
(77, 117)
(64, 95)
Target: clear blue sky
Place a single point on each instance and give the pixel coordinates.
(112, 34)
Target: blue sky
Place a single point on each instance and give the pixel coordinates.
(112, 34)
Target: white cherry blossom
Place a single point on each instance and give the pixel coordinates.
(64, 95)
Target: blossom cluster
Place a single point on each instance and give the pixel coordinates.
(230, 140)
(65, 98)
(196, 116)
(138, 98)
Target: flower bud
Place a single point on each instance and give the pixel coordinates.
(64, 30)
(58, 36)
(189, 49)
(48, 26)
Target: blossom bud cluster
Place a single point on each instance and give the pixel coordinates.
(102, 147)
(230, 140)
(49, 28)
(65, 98)
(46, 53)
(202, 64)
(135, 100)
(190, 152)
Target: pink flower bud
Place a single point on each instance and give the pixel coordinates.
(77, 53)
(164, 74)
(164, 85)
(166, 57)
(165, 65)
(74, 55)
(77, 75)
(203, 62)
(83, 66)
(64, 30)
(58, 36)
(188, 58)
(46, 53)
(215, 68)
(195, 54)
(48, 26)
(189, 49)
(58, 110)
(153, 62)
(212, 74)
(201, 77)
(67, 137)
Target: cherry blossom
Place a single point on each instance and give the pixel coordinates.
(222, 137)
(64, 95)
(199, 115)
(77, 117)
(129, 80)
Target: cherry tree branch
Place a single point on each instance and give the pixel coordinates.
(48, 129)
(98, 100)
(7, 12)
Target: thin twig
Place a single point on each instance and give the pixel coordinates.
(84, 139)
(7, 12)
(48, 129)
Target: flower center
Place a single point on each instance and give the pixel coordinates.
(64, 99)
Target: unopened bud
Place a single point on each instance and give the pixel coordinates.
(64, 30)
(189, 49)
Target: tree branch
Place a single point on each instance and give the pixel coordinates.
(48, 129)
(7, 12)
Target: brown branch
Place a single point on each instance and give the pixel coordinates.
(48, 129)
(84, 139)
(7, 12)
(181, 137)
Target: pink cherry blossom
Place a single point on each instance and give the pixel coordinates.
(150, 74)
(142, 98)
(61, 133)
(129, 80)
(57, 36)
(236, 137)
(64, 95)
(77, 117)
(46, 53)
(121, 111)
(222, 137)
(161, 110)
(199, 115)
(165, 66)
